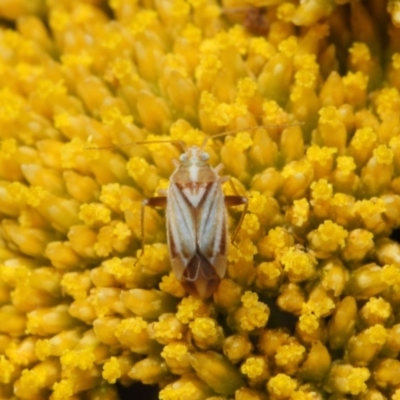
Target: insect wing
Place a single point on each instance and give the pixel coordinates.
(197, 236)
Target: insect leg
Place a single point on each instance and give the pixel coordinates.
(237, 201)
(160, 201)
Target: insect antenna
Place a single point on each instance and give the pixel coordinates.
(236, 131)
(172, 141)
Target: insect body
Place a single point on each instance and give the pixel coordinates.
(196, 217)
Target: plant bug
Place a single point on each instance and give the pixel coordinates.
(196, 219)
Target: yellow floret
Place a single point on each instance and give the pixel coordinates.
(63, 389)
(111, 370)
(168, 329)
(308, 323)
(274, 114)
(192, 33)
(246, 88)
(321, 190)
(368, 208)
(176, 350)
(254, 314)
(291, 354)
(7, 369)
(300, 212)
(76, 284)
(253, 367)
(82, 359)
(204, 328)
(260, 46)
(377, 334)
(320, 155)
(391, 275)
(289, 46)
(388, 102)
(354, 81)
(359, 53)
(383, 154)
(328, 237)
(286, 11)
(305, 78)
(10, 105)
(190, 308)
(182, 393)
(329, 115)
(240, 142)
(143, 19)
(377, 306)
(113, 116)
(170, 284)
(281, 386)
(298, 265)
(346, 164)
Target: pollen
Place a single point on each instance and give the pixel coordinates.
(191, 308)
(63, 389)
(82, 359)
(111, 370)
(320, 155)
(363, 138)
(253, 367)
(7, 369)
(286, 11)
(260, 46)
(246, 88)
(178, 351)
(240, 142)
(94, 214)
(289, 46)
(8, 147)
(176, 391)
(281, 386)
(167, 330)
(274, 114)
(298, 265)
(346, 164)
(192, 33)
(306, 78)
(113, 115)
(308, 323)
(383, 155)
(388, 102)
(289, 354)
(143, 20)
(329, 115)
(366, 208)
(254, 314)
(356, 80)
(359, 53)
(328, 236)
(321, 190)
(10, 105)
(391, 275)
(300, 212)
(170, 284)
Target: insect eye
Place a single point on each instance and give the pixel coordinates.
(205, 156)
(183, 157)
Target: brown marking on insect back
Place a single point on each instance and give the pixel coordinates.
(199, 278)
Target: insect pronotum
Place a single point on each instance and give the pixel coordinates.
(196, 218)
